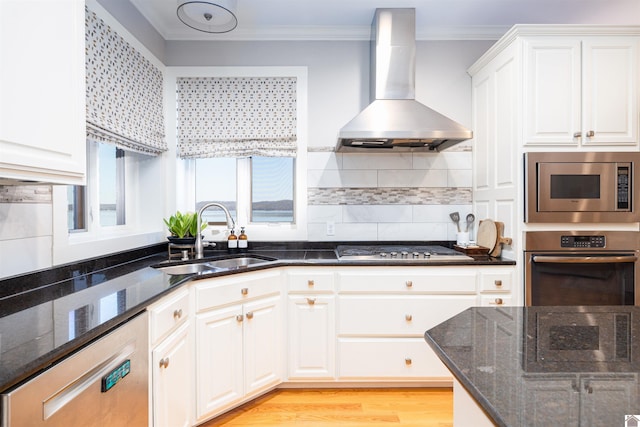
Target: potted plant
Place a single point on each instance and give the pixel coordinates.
(182, 227)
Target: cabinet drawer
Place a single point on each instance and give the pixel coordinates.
(168, 313)
(426, 280)
(221, 291)
(496, 280)
(403, 358)
(310, 280)
(495, 300)
(377, 315)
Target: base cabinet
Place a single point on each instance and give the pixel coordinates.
(171, 377)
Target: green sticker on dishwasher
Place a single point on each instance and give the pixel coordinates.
(116, 375)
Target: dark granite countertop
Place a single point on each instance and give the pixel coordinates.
(546, 366)
(49, 314)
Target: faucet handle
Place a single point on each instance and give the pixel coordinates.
(207, 243)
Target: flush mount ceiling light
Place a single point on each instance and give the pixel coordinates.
(216, 16)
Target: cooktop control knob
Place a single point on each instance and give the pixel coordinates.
(394, 254)
(404, 254)
(416, 254)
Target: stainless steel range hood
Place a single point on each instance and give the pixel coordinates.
(395, 121)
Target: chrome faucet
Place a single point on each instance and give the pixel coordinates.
(230, 224)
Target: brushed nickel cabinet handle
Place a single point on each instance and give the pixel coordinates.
(177, 313)
(244, 291)
(239, 318)
(498, 283)
(408, 317)
(498, 301)
(409, 283)
(164, 362)
(310, 283)
(577, 134)
(408, 361)
(591, 134)
(311, 301)
(249, 315)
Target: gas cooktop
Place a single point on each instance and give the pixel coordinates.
(399, 253)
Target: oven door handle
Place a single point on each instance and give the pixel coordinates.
(584, 259)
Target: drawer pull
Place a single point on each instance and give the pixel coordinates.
(310, 283)
(244, 291)
(409, 283)
(498, 301)
(407, 361)
(239, 318)
(591, 134)
(408, 317)
(498, 283)
(249, 315)
(577, 134)
(177, 314)
(311, 301)
(164, 362)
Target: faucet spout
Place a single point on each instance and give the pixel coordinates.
(230, 224)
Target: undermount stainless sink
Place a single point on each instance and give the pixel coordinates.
(211, 266)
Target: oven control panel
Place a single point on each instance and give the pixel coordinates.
(582, 241)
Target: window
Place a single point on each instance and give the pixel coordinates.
(267, 196)
(106, 190)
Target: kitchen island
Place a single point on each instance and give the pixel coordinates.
(542, 366)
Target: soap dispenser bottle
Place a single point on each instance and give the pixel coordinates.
(232, 242)
(243, 241)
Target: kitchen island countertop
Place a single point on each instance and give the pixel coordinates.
(544, 366)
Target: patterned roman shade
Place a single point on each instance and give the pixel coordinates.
(124, 92)
(236, 117)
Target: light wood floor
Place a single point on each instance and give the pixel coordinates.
(423, 407)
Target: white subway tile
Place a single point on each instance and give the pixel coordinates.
(25, 255)
(459, 178)
(444, 160)
(439, 213)
(412, 178)
(413, 231)
(22, 220)
(342, 178)
(377, 213)
(377, 161)
(324, 213)
(344, 232)
(324, 160)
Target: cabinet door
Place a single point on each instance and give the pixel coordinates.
(552, 101)
(42, 91)
(219, 360)
(263, 353)
(610, 91)
(312, 341)
(606, 400)
(171, 376)
(555, 401)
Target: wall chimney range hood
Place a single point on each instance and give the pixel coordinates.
(395, 121)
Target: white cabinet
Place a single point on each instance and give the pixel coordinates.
(239, 350)
(581, 91)
(311, 325)
(383, 313)
(42, 91)
(171, 361)
(496, 284)
(581, 395)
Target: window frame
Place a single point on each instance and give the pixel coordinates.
(258, 231)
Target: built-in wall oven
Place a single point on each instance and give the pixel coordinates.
(581, 268)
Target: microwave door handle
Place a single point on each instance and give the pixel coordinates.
(583, 259)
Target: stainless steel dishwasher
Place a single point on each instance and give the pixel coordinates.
(104, 384)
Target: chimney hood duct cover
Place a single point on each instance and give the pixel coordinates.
(395, 121)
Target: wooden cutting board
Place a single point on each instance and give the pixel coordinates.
(490, 235)
(487, 234)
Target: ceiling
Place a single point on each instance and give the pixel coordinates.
(351, 19)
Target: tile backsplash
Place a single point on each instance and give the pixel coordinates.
(392, 196)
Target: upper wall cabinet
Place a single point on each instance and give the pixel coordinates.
(42, 91)
(581, 91)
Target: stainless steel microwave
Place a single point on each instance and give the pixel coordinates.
(582, 187)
